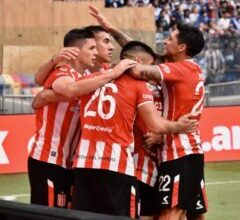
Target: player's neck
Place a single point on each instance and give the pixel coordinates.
(180, 57)
(77, 66)
(97, 67)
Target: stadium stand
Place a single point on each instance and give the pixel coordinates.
(20, 211)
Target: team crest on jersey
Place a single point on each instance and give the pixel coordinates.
(165, 68)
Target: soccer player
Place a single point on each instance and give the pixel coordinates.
(104, 47)
(57, 124)
(181, 181)
(145, 160)
(104, 172)
(122, 40)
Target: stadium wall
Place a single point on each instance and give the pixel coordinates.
(44, 23)
(220, 129)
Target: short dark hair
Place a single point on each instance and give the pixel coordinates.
(95, 29)
(76, 34)
(136, 46)
(192, 37)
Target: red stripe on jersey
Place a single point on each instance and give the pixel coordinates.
(64, 133)
(150, 170)
(73, 145)
(48, 134)
(169, 147)
(39, 124)
(180, 150)
(123, 165)
(175, 191)
(106, 163)
(192, 140)
(90, 157)
(139, 168)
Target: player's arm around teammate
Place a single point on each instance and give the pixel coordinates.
(65, 54)
(66, 89)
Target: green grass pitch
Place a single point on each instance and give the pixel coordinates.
(222, 183)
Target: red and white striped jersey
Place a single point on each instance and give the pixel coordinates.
(107, 117)
(146, 164)
(183, 92)
(57, 126)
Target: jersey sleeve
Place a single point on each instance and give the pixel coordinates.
(169, 72)
(56, 74)
(144, 93)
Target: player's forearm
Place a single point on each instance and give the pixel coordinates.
(166, 127)
(119, 36)
(146, 72)
(46, 97)
(44, 71)
(85, 86)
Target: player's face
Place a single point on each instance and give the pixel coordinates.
(171, 45)
(104, 47)
(88, 53)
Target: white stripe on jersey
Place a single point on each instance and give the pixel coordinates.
(40, 142)
(165, 100)
(177, 178)
(164, 149)
(82, 154)
(144, 176)
(100, 146)
(135, 159)
(116, 152)
(185, 143)
(198, 141)
(154, 176)
(58, 121)
(130, 169)
(175, 155)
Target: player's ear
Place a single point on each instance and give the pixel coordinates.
(139, 59)
(182, 47)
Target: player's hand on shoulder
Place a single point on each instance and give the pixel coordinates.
(187, 123)
(66, 54)
(122, 66)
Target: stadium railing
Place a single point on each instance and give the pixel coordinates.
(222, 94)
(21, 211)
(16, 104)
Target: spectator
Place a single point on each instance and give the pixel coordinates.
(215, 63)
(194, 15)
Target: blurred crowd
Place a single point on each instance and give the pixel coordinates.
(219, 17)
(219, 20)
